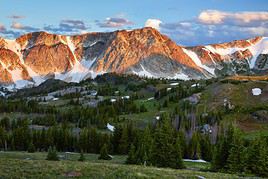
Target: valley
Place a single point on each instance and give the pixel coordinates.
(121, 111)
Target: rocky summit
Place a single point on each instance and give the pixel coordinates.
(35, 57)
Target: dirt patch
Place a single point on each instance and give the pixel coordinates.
(73, 174)
(249, 124)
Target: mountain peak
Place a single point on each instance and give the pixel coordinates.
(35, 57)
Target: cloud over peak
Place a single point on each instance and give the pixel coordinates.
(154, 23)
(114, 22)
(19, 26)
(2, 28)
(68, 26)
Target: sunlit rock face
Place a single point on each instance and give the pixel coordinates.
(35, 57)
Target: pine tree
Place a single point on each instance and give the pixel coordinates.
(235, 159)
(104, 153)
(143, 108)
(222, 150)
(131, 159)
(116, 139)
(3, 138)
(165, 105)
(52, 154)
(183, 145)
(82, 157)
(206, 148)
(176, 159)
(262, 165)
(164, 145)
(31, 148)
(124, 142)
(194, 147)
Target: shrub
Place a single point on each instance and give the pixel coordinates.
(52, 154)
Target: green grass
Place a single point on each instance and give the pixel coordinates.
(15, 168)
(118, 159)
(254, 134)
(197, 165)
(34, 165)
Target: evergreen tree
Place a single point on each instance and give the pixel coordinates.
(82, 157)
(164, 145)
(222, 149)
(235, 163)
(183, 145)
(206, 148)
(116, 139)
(31, 148)
(104, 153)
(194, 147)
(143, 108)
(3, 138)
(176, 159)
(52, 154)
(124, 142)
(131, 159)
(262, 165)
(165, 105)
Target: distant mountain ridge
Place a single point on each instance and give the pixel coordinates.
(35, 57)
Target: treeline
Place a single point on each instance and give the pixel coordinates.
(17, 135)
(235, 154)
(179, 92)
(78, 115)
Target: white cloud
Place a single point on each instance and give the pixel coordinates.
(213, 26)
(238, 18)
(114, 22)
(17, 25)
(154, 23)
(2, 27)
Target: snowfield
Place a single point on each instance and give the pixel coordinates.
(256, 49)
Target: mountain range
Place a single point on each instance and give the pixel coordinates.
(35, 57)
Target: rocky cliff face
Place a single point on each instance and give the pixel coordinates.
(35, 57)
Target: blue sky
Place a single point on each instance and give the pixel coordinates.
(188, 22)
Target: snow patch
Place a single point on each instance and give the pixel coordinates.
(180, 76)
(195, 85)
(110, 127)
(144, 72)
(80, 71)
(197, 61)
(125, 97)
(256, 91)
(113, 100)
(198, 161)
(174, 84)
